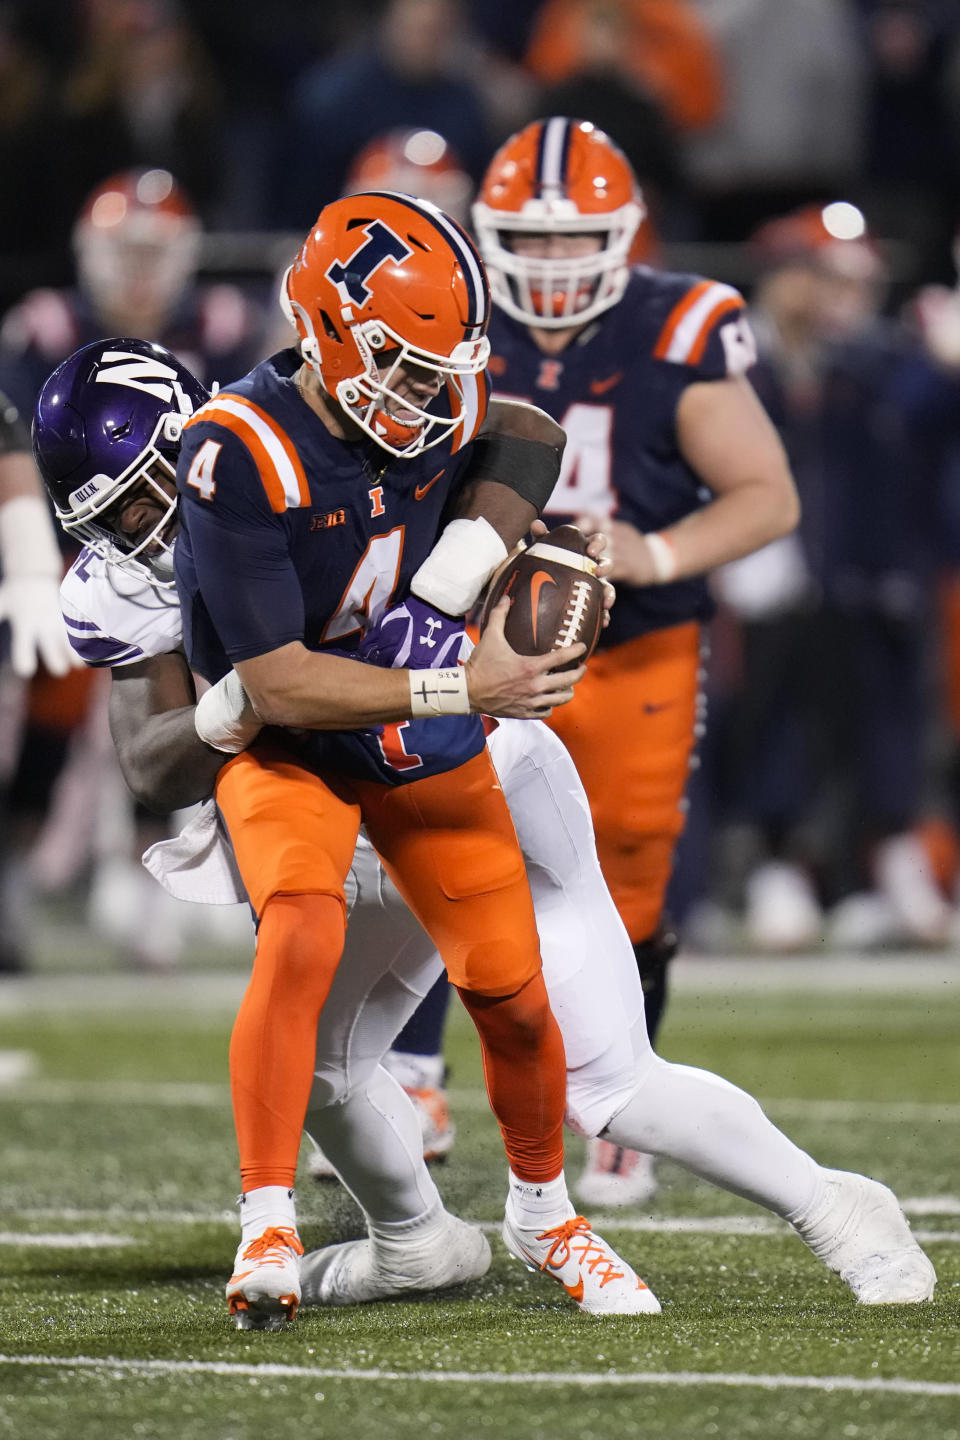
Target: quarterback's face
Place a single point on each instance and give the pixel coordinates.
(406, 382)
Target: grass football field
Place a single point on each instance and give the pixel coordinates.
(117, 1234)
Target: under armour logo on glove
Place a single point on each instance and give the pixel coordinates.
(417, 636)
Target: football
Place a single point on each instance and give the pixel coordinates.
(556, 596)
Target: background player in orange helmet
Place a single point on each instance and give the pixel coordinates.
(312, 494)
(669, 452)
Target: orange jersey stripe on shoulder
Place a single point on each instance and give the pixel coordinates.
(676, 315)
(723, 307)
(278, 464)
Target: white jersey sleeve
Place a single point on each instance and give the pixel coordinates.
(113, 618)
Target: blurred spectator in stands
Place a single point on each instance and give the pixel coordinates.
(792, 124)
(825, 737)
(141, 92)
(411, 71)
(25, 99)
(911, 167)
(137, 244)
(644, 71)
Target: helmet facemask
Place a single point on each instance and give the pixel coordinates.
(556, 292)
(149, 558)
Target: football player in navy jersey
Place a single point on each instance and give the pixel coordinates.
(670, 452)
(312, 493)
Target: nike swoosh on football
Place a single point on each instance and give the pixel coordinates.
(600, 387)
(421, 490)
(537, 583)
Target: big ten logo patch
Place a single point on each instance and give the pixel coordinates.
(328, 520)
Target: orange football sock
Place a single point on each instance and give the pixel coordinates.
(525, 1070)
(272, 1048)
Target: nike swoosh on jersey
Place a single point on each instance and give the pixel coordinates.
(537, 583)
(600, 387)
(421, 490)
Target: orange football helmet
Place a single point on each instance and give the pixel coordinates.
(558, 177)
(381, 273)
(137, 244)
(416, 162)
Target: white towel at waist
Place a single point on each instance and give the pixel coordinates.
(198, 863)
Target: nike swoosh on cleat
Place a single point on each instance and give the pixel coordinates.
(600, 387)
(576, 1291)
(421, 490)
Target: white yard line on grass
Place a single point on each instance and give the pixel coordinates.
(730, 1225)
(76, 1241)
(173, 1094)
(826, 1383)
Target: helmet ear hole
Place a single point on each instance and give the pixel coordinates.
(330, 329)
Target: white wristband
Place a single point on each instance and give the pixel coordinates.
(459, 566)
(28, 541)
(438, 692)
(663, 557)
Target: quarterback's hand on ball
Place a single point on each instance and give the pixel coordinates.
(415, 636)
(518, 687)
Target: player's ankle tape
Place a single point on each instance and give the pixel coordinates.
(439, 692)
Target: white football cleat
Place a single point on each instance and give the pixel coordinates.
(860, 1232)
(782, 910)
(433, 1112)
(613, 1176)
(582, 1264)
(378, 1269)
(263, 1292)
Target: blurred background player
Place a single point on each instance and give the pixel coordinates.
(832, 795)
(32, 635)
(671, 455)
(137, 249)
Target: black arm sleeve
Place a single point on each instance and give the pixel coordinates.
(528, 467)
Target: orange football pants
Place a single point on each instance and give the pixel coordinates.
(449, 845)
(630, 731)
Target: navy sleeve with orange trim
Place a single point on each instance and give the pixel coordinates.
(239, 590)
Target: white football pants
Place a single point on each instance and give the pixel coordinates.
(616, 1085)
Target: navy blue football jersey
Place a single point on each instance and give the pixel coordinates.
(615, 390)
(288, 534)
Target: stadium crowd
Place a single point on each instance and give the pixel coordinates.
(809, 155)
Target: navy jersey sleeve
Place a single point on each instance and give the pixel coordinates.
(238, 562)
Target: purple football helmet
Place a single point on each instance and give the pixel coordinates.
(107, 421)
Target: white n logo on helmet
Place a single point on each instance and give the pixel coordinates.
(143, 372)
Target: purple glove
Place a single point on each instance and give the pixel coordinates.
(414, 635)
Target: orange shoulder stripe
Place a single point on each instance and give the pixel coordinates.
(723, 307)
(278, 464)
(676, 315)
